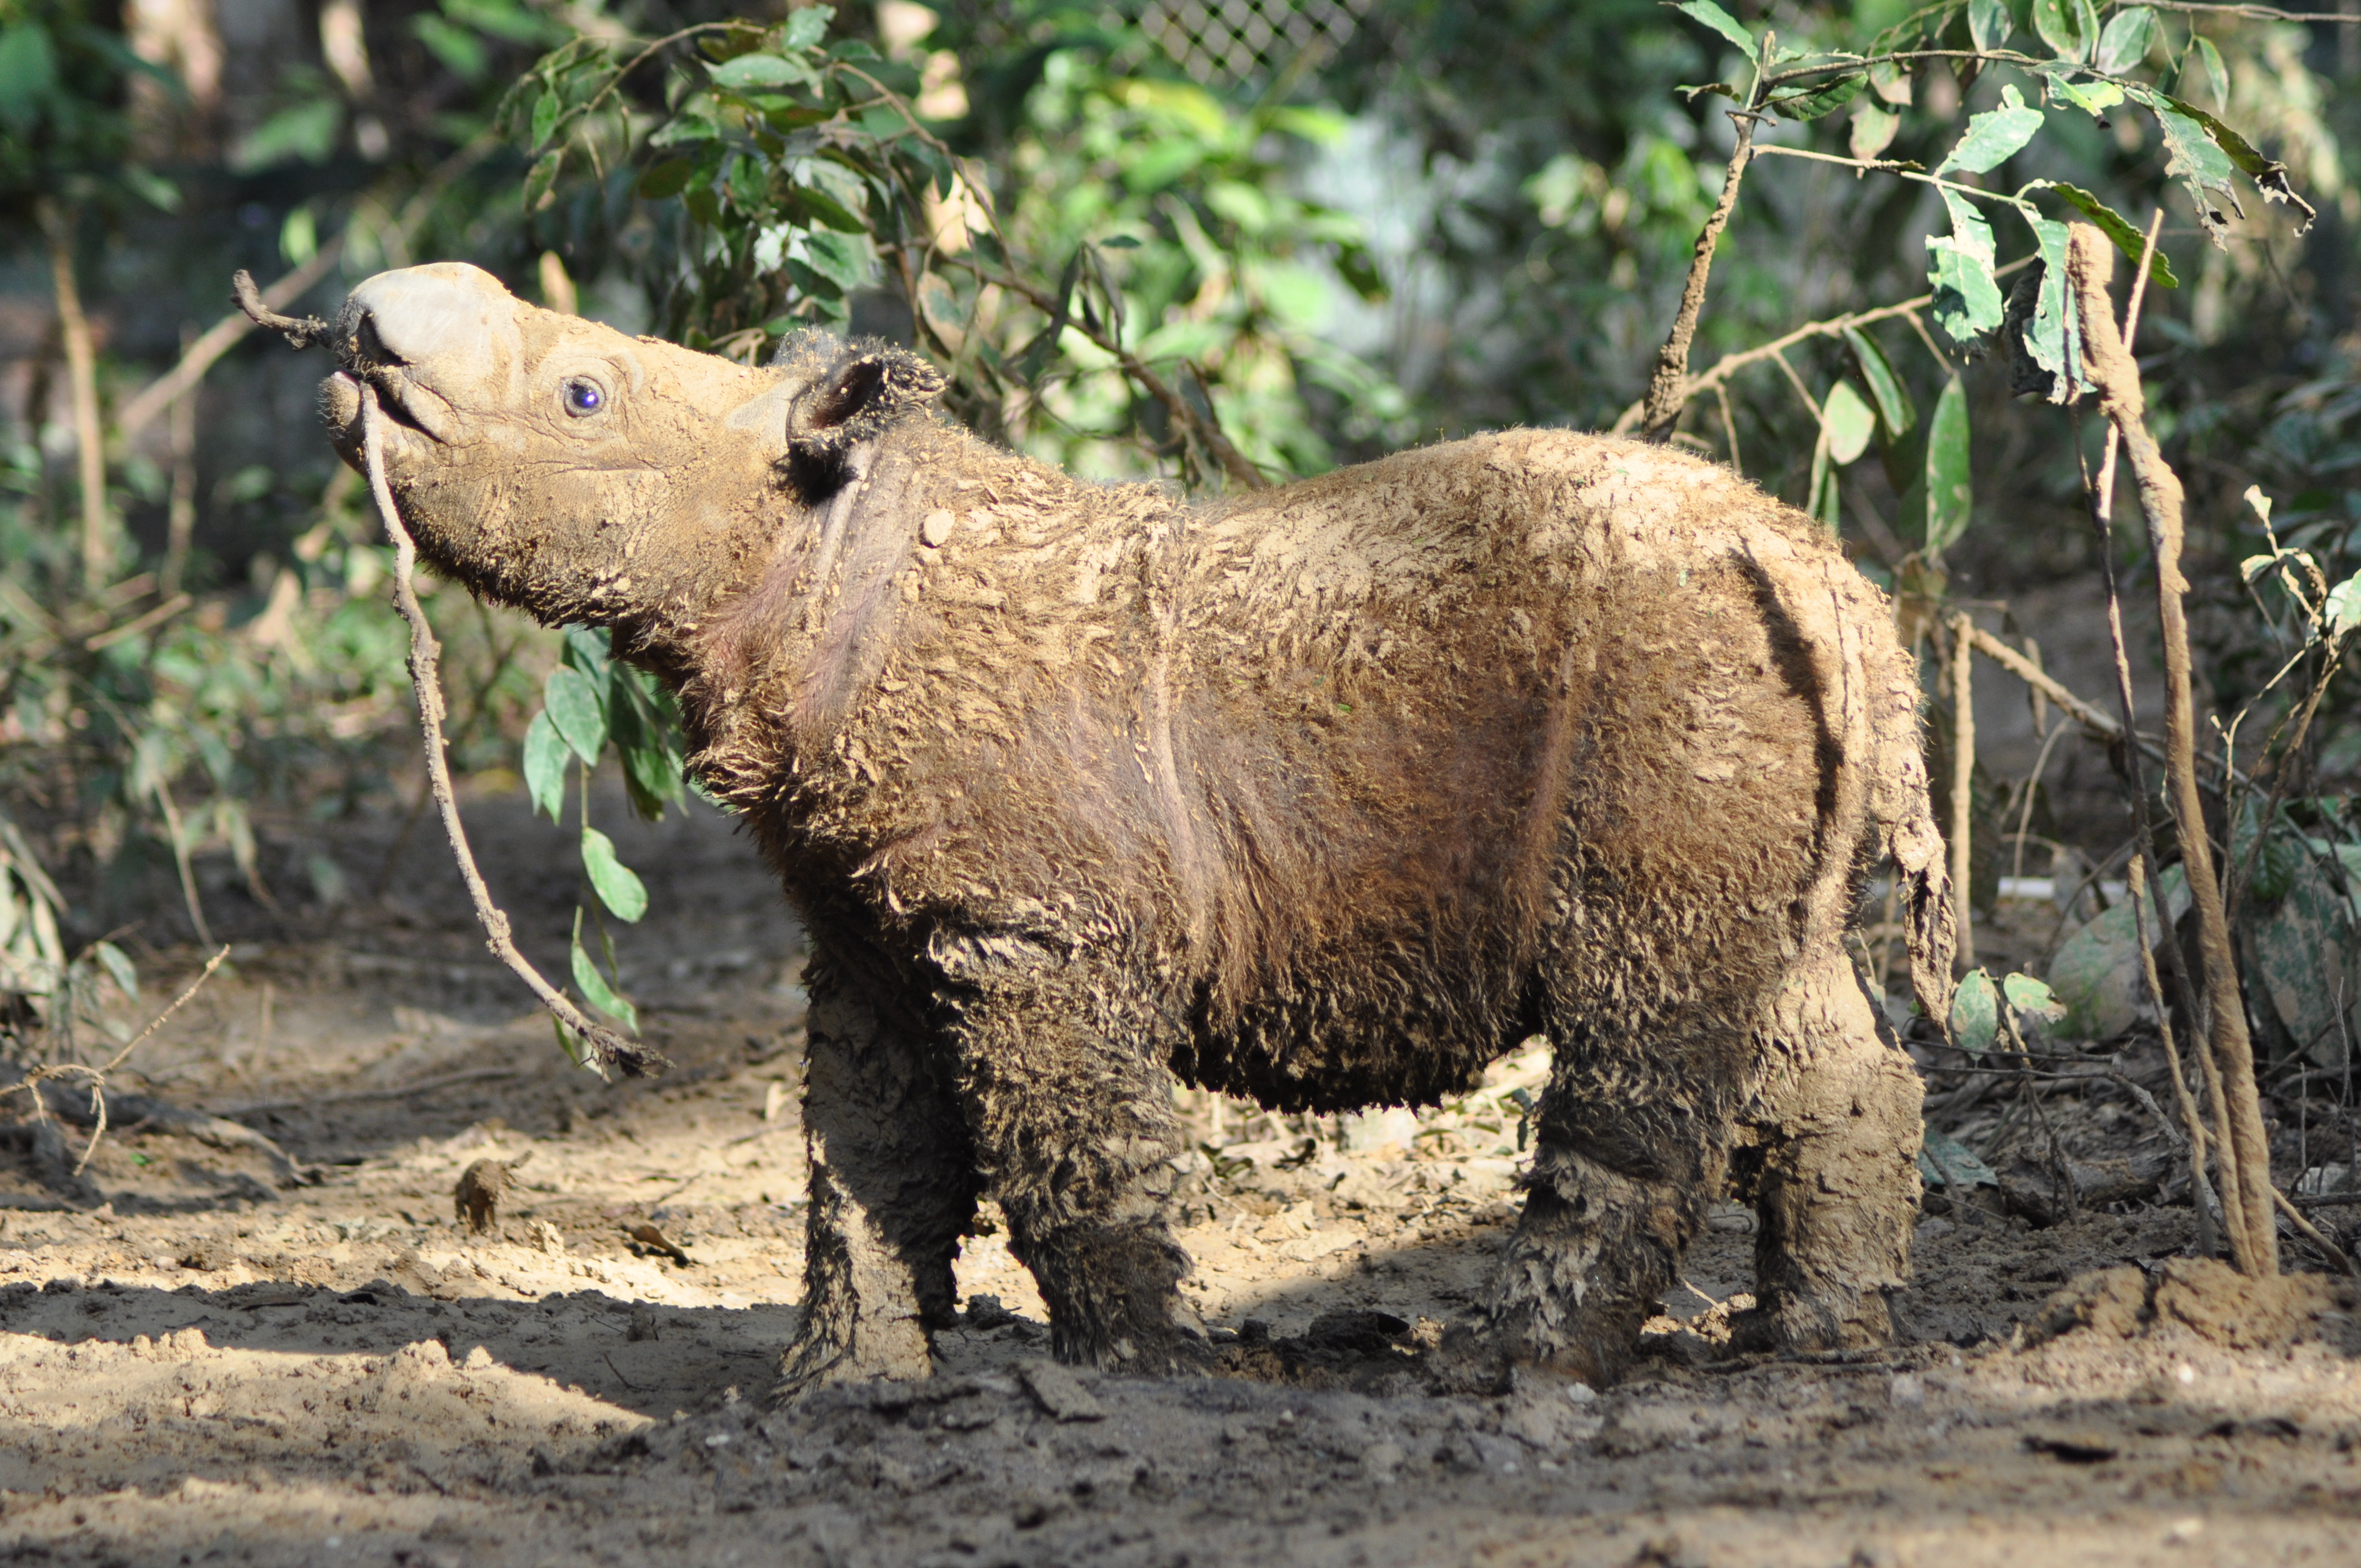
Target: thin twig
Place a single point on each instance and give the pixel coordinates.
(1964, 770)
(2190, 1116)
(2250, 13)
(605, 1046)
(2091, 261)
(96, 1076)
(1719, 374)
(1668, 393)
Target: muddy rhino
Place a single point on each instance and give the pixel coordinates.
(1326, 796)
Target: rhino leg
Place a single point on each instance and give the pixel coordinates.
(1628, 1151)
(1834, 1173)
(1071, 1111)
(894, 1187)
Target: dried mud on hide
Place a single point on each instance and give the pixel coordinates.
(230, 1364)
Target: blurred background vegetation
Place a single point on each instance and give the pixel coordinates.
(1215, 241)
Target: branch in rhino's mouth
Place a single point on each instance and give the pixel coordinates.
(404, 401)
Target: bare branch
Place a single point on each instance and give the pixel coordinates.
(2091, 261)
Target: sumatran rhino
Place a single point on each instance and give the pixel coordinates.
(1326, 796)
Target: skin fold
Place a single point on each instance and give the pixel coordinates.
(1326, 795)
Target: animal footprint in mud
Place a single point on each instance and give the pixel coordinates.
(475, 1202)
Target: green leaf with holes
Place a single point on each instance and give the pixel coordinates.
(2031, 998)
(1825, 99)
(1989, 24)
(619, 888)
(1993, 136)
(2128, 36)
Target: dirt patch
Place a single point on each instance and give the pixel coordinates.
(2204, 1299)
(227, 1365)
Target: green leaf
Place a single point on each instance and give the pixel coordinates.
(1721, 22)
(1848, 422)
(593, 985)
(544, 765)
(842, 260)
(541, 180)
(1822, 100)
(1896, 411)
(587, 649)
(546, 110)
(2269, 174)
(2117, 228)
(806, 26)
(462, 51)
(1989, 24)
(1872, 130)
(28, 73)
(2070, 28)
(2093, 98)
(2217, 76)
(307, 131)
(1948, 488)
(572, 703)
(119, 967)
(1890, 81)
(1994, 135)
(1975, 1015)
(2130, 34)
(666, 178)
(817, 206)
(761, 71)
(2344, 607)
(619, 888)
(2031, 998)
(646, 735)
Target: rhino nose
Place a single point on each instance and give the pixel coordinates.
(448, 314)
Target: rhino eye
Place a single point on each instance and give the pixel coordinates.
(582, 397)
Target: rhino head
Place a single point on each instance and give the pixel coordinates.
(555, 464)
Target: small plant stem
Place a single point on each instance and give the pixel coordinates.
(2192, 1119)
(82, 377)
(1668, 393)
(180, 516)
(2089, 264)
(181, 861)
(1963, 773)
(606, 1046)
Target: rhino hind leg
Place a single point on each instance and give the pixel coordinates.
(892, 1188)
(1621, 1176)
(1833, 1170)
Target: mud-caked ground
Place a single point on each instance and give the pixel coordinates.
(215, 1351)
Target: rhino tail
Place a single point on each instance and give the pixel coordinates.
(1878, 799)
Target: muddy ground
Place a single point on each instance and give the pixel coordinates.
(214, 1357)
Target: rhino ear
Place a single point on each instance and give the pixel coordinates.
(868, 388)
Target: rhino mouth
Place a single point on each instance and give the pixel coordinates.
(366, 361)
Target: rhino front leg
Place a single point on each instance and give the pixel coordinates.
(1072, 1111)
(894, 1187)
(1834, 1175)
